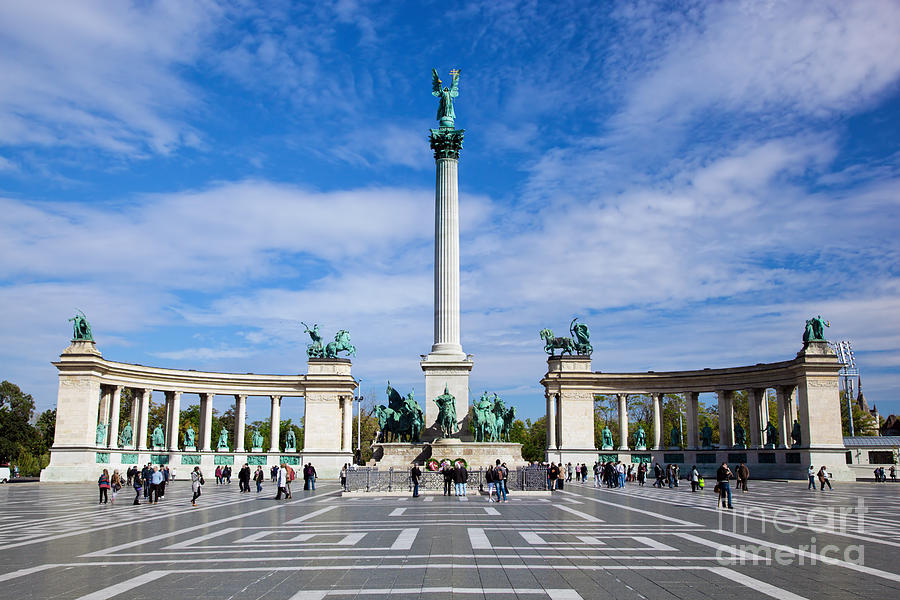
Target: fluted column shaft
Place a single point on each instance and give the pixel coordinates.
(657, 420)
(144, 418)
(446, 258)
(114, 416)
(206, 415)
(623, 421)
(275, 425)
(755, 399)
(174, 399)
(240, 420)
(692, 402)
(135, 417)
(726, 418)
(551, 422)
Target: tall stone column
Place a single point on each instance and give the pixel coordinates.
(551, 422)
(782, 401)
(756, 398)
(446, 364)
(692, 400)
(275, 425)
(240, 421)
(623, 421)
(103, 416)
(114, 416)
(347, 423)
(726, 419)
(657, 420)
(135, 417)
(174, 419)
(144, 419)
(206, 415)
(167, 424)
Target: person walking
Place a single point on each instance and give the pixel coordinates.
(414, 474)
(312, 477)
(138, 485)
(620, 468)
(244, 479)
(156, 479)
(500, 474)
(642, 474)
(823, 479)
(115, 484)
(695, 478)
(658, 472)
(811, 473)
(289, 480)
(743, 474)
(723, 474)
(893, 473)
(274, 473)
(489, 479)
(259, 477)
(164, 471)
(218, 475)
(344, 476)
(146, 473)
(196, 484)
(281, 482)
(103, 483)
(596, 474)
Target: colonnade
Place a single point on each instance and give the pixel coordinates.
(110, 407)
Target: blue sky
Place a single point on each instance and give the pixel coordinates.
(694, 180)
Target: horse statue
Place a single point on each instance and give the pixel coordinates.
(388, 422)
(341, 343)
(402, 417)
(484, 420)
(508, 418)
(446, 420)
(563, 344)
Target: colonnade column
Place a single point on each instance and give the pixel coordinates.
(783, 400)
(275, 425)
(726, 418)
(114, 416)
(790, 413)
(755, 398)
(174, 420)
(206, 414)
(144, 418)
(692, 402)
(657, 420)
(347, 422)
(623, 421)
(135, 416)
(240, 420)
(551, 422)
(103, 416)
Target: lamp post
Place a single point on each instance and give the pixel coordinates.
(358, 416)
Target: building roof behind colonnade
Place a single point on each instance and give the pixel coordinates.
(881, 441)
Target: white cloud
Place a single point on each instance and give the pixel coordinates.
(99, 75)
(809, 58)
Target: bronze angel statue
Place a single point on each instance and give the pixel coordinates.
(446, 115)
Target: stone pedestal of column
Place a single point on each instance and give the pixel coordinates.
(441, 370)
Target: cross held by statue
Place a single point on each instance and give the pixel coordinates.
(454, 72)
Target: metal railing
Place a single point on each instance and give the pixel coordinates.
(373, 479)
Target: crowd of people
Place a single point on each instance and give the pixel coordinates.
(149, 482)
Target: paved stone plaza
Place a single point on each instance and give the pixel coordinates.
(56, 542)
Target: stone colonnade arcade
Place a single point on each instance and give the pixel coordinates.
(811, 377)
(90, 389)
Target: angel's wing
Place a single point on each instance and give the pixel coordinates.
(435, 83)
(454, 85)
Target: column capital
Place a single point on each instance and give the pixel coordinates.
(446, 142)
(241, 397)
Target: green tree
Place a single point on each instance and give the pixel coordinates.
(532, 436)
(46, 426)
(863, 422)
(17, 436)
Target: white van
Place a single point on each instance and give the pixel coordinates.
(5, 475)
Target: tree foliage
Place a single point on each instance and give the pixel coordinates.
(22, 443)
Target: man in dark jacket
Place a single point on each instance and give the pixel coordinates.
(447, 472)
(414, 474)
(244, 478)
(722, 476)
(658, 472)
(462, 476)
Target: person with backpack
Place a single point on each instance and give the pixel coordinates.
(500, 475)
(103, 483)
(823, 479)
(259, 477)
(723, 487)
(196, 484)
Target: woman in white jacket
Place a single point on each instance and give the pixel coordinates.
(196, 483)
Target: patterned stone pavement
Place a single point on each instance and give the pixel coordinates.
(780, 541)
